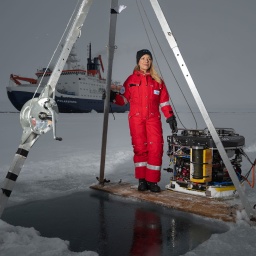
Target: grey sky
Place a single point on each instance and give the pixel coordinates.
(216, 38)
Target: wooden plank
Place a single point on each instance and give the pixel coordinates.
(203, 206)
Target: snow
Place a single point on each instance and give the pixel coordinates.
(55, 169)
(27, 241)
(239, 240)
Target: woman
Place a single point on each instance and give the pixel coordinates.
(146, 92)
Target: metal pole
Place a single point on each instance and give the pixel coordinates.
(111, 50)
(171, 40)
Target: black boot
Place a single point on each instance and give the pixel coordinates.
(153, 187)
(143, 185)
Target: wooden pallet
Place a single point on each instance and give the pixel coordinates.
(204, 206)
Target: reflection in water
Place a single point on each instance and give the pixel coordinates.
(172, 233)
(147, 234)
(102, 231)
(114, 226)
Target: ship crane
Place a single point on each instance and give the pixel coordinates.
(101, 63)
(39, 115)
(16, 79)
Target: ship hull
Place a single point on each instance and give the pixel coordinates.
(65, 104)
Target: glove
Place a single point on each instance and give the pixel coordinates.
(173, 123)
(112, 96)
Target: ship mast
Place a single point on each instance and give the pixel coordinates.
(89, 59)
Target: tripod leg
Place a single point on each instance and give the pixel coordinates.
(14, 170)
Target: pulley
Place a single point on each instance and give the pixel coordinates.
(39, 116)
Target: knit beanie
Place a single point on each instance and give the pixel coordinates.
(141, 53)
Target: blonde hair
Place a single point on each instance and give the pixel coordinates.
(152, 72)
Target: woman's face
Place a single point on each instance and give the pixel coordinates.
(145, 63)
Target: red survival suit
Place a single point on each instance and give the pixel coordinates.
(146, 96)
(147, 234)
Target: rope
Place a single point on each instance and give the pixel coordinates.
(251, 184)
(166, 62)
(56, 49)
(245, 177)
